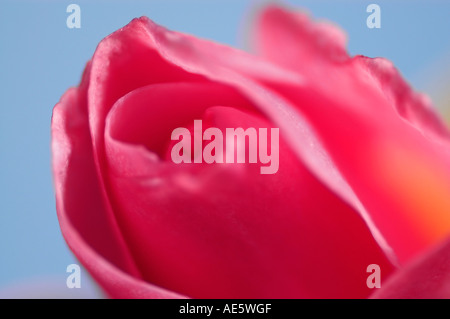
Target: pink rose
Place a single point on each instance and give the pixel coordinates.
(363, 172)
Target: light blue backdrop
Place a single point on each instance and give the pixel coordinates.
(40, 58)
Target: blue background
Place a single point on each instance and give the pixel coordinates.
(40, 58)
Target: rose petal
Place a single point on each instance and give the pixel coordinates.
(85, 217)
(426, 277)
(390, 146)
(205, 230)
(154, 111)
(197, 56)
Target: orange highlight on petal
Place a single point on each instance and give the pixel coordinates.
(419, 185)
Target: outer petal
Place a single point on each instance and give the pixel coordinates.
(427, 277)
(86, 219)
(226, 231)
(390, 146)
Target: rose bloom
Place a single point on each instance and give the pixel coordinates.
(363, 173)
